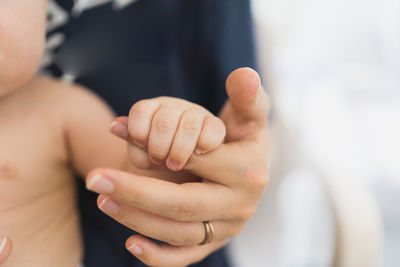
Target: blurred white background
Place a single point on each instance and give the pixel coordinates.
(333, 69)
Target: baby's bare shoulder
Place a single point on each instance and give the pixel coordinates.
(65, 99)
(57, 92)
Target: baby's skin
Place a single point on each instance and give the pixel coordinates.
(52, 131)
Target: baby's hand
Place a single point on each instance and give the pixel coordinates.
(170, 130)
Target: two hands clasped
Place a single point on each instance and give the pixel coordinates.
(216, 170)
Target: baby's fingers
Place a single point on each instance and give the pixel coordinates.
(140, 120)
(5, 249)
(185, 140)
(163, 128)
(137, 156)
(212, 135)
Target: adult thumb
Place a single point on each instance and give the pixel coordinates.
(248, 99)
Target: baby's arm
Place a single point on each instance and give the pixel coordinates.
(170, 130)
(86, 122)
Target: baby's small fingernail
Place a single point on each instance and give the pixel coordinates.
(198, 151)
(173, 165)
(155, 162)
(140, 144)
(109, 206)
(119, 129)
(100, 184)
(136, 250)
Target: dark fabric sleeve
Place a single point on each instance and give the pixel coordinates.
(229, 32)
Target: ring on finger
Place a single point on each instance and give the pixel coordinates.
(209, 233)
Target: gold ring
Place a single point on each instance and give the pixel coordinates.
(209, 233)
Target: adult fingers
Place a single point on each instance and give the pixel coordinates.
(164, 229)
(247, 97)
(153, 254)
(183, 202)
(233, 165)
(5, 249)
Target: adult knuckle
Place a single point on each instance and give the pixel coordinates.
(184, 211)
(256, 178)
(178, 239)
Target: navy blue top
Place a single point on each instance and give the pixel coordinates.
(181, 48)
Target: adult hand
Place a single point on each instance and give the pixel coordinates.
(5, 249)
(234, 177)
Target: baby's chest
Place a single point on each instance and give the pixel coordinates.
(31, 159)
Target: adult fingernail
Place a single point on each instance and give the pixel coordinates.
(100, 184)
(109, 206)
(173, 165)
(136, 250)
(119, 129)
(3, 244)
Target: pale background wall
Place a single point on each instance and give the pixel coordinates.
(334, 66)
